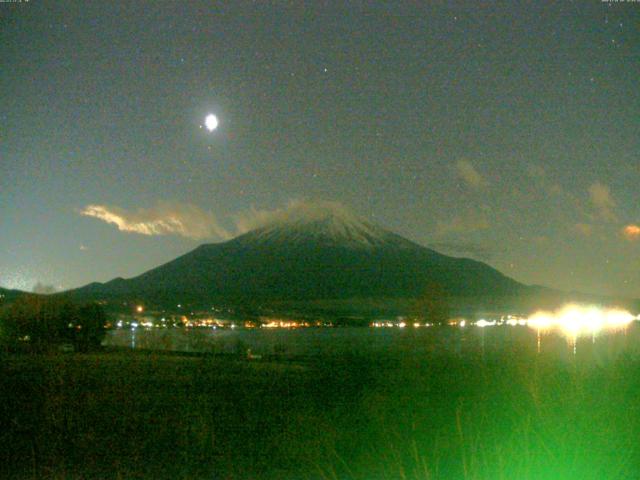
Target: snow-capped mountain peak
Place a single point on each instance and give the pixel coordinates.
(325, 222)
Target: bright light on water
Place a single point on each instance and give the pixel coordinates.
(484, 323)
(576, 320)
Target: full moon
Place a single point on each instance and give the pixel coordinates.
(211, 122)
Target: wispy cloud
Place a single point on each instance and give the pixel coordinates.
(602, 202)
(165, 219)
(43, 288)
(631, 232)
(469, 222)
(254, 218)
(294, 211)
(468, 173)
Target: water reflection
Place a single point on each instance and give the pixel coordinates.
(133, 337)
(576, 321)
(604, 347)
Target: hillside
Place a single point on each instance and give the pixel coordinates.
(328, 254)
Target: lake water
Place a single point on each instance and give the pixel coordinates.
(361, 340)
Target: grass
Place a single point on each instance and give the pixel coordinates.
(508, 415)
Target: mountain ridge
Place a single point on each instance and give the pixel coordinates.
(307, 255)
(326, 222)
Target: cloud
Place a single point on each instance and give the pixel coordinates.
(192, 222)
(467, 172)
(254, 218)
(165, 219)
(466, 223)
(631, 232)
(540, 239)
(602, 201)
(43, 289)
(295, 211)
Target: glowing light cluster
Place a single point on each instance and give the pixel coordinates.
(275, 323)
(485, 323)
(577, 320)
(400, 324)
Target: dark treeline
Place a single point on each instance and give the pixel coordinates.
(39, 323)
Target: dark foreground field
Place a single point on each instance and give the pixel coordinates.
(139, 415)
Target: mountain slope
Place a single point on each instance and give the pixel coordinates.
(307, 255)
(8, 296)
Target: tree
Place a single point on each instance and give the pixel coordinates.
(31, 320)
(90, 328)
(39, 322)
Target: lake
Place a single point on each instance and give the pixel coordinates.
(371, 341)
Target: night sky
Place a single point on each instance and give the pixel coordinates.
(506, 132)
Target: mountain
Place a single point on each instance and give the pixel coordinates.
(306, 254)
(8, 296)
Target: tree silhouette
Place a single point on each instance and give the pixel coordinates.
(40, 322)
(90, 327)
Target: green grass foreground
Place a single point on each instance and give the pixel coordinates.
(141, 415)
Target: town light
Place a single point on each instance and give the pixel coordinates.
(577, 320)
